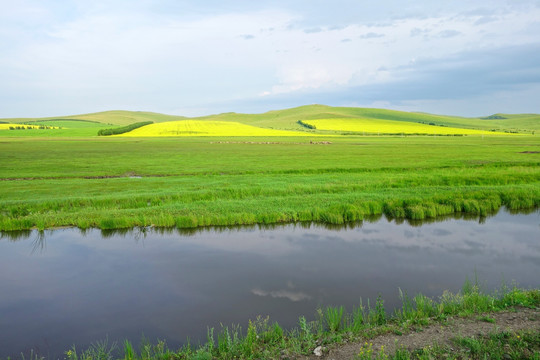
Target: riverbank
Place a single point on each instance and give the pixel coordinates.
(458, 325)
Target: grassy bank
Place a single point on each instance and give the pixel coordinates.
(524, 344)
(333, 326)
(119, 183)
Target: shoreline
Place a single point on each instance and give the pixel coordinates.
(335, 334)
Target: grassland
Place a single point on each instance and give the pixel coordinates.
(251, 173)
(197, 181)
(333, 327)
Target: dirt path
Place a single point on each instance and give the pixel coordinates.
(508, 320)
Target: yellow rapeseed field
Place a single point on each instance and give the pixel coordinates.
(207, 128)
(7, 126)
(360, 125)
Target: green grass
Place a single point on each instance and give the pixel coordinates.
(263, 339)
(201, 182)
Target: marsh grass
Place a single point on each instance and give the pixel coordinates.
(267, 207)
(334, 318)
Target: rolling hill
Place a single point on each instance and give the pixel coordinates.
(294, 119)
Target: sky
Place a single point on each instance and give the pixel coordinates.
(191, 58)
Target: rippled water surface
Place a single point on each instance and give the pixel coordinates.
(65, 287)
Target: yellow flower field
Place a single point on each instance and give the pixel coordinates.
(7, 126)
(360, 125)
(208, 128)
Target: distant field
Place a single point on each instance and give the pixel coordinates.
(378, 126)
(68, 123)
(288, 119)
(207, 128)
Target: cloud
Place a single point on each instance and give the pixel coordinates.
(84, 57)
(449, 33)
(417, 32)
(313, 30)
(470, 83)
(371, 35)
(291, 295)
(484, 20)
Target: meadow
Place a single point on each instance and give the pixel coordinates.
(115, 182)
(232, 169)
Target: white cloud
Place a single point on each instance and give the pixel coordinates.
(99, 56)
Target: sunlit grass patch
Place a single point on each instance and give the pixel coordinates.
(379, 126)
(208, 128)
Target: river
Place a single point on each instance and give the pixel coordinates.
(67, 287)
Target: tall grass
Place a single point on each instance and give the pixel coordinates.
(225, 208)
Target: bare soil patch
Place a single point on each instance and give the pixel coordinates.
(512, 321)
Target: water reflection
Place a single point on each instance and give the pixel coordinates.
(140, 232)
(68, 286)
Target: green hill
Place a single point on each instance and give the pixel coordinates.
(114, 117)
(287, 119)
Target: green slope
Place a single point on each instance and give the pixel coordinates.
(286, 119)
(114, 117)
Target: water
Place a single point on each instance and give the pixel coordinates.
(65, 287)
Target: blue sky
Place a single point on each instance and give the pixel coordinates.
(202, 57)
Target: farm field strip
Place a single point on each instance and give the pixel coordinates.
(375, 126)
(206, 128)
